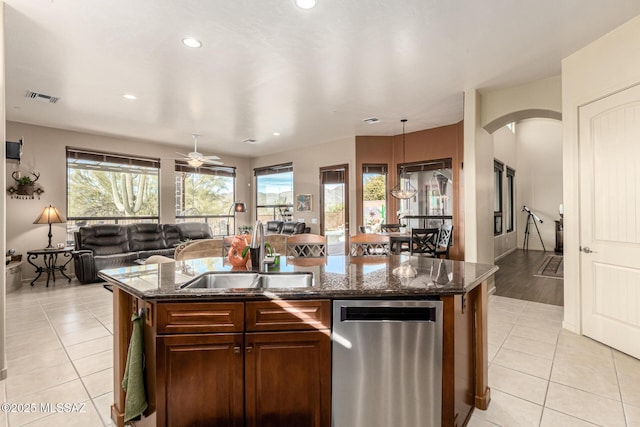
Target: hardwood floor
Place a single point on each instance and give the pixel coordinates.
(515, 278)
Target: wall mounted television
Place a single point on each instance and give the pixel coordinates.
(14, 150)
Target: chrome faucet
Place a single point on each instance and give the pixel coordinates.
(257, 241)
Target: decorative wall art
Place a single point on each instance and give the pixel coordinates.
(25, 186)
(303, 202)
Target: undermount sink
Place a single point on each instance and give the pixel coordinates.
(227, 280)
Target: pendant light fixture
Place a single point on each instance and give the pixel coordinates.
(404, 190)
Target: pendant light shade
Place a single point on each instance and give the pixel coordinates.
(403, 190)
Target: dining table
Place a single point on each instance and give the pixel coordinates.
(397, 238)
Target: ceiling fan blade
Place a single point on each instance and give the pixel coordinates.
(212, 162)
(182, 154)
(211, 157)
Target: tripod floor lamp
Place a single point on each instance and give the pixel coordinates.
(236, 207)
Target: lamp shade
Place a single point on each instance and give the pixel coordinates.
(239, 207)
(50, 215)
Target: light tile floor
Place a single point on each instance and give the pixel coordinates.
(59, 350)
(543, 375)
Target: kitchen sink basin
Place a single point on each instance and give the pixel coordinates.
(226, 280)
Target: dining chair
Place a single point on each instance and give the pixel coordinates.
(198, 249)
(423, 241)
(444, 241)
(278, 243)
(390, 228)
(306, 245)
(369, 244)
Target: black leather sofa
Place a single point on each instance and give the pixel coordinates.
(102, 246)
(286, 227)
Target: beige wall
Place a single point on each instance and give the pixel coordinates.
(44, 152)
(478, 184)
(3, 206)
(540, 98)
(607, 65)
(539, 178)
(504, 150)
(307, 162)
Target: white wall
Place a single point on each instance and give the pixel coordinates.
(607, 65)
(505, 151)
(307, 162)
(44, 152)
(539, 179)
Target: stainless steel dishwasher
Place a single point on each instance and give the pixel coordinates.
(387, 363)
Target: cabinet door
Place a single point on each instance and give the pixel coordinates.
(200, 380)
(288, 379)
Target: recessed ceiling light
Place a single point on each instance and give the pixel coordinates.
(306, 4)
(371, 120)
(250, 141)
(129, 96)
(276, 134)
(191, 42)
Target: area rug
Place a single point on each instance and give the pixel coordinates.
(552, 267)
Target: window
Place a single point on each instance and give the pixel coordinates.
(374, 196)
(110, 188)
(206, 194)
(274, 192)
(511, 200)
(433, 204)
(498, 167)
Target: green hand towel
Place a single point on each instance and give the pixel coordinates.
(135, 401)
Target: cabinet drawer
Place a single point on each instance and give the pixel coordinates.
(287, 315)
(193, 317)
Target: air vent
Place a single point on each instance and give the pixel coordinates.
(42, 97)
(371, 120)
(250, 141)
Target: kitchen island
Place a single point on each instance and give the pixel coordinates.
(262, 356)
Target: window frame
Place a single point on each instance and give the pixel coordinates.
(104, 160)
(287, 214)
(498, 169)
(380, 169)
(209, 218)
(511, 199)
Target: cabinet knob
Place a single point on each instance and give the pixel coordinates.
(236, 349)
(249, 349)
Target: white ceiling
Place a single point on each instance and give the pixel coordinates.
(267, 66)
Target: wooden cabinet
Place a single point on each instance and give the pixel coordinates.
(264, 364)
(200, 380)
(288, 379)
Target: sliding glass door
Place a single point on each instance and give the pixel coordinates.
(334, 208)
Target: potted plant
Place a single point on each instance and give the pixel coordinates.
(26, 185)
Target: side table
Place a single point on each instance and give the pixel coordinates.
(50, 258)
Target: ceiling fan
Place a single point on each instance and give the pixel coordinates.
(196, 159)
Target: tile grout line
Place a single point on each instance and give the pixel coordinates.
(64, 347)
(615, 367)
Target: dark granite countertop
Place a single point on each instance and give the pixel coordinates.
(334, 277)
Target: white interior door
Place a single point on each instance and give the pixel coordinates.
(610, 220)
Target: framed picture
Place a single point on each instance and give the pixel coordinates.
(303, 202)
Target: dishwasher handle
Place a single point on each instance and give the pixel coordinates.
(380, 314)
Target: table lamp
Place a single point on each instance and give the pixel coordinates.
(49, 215)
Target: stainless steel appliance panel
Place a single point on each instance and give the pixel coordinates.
(387, 363)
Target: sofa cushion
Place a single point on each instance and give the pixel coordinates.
(144, 237)
(103, 262)
(293, 227)
(273, 227)
(171, 235)
(194, 230)
(104, 239)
